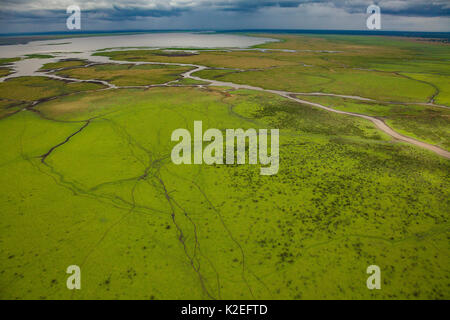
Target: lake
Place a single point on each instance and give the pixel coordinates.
(83, 47)
(153, 40)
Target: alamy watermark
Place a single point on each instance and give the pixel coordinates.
(73, 22)
(74, 280)
(374, 20)
(374, 281)
(234, 143)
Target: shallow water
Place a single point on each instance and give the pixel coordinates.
(82, 48)
(165, 40)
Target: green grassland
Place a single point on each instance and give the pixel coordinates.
(5, 61)
(8, 107)
(127, 74)
(347, 82)
(39, 56)
(5, 72)
(190, 82)
(343, 200)
(28, 89)
(63, 64)
(440, 82)
(361, 66)
(17, 93)
(426, 123)
(241, 59)
(87, 179)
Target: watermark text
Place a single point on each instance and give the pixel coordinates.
(236, 143)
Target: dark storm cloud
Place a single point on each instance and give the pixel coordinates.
(115, 13)
(123, 9)
(223, 13)
(407, 8)
(131, 13)
(252, 6)
(420, 8)
(49, 15)
(146, 12)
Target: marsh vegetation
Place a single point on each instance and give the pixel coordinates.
(87, 177)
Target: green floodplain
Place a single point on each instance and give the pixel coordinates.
(87, 178)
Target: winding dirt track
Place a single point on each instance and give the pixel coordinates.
(286, 94)
(382, 126)
(291, 95)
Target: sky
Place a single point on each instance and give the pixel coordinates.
(50, 15)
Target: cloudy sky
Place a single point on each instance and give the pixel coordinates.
(50, 15)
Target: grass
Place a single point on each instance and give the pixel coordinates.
(5, 72)
(127, 74)
(63, 64)
(441, 82)
(173, 53)
(343, 81)
(363, 66)
(108, 198)
(5, 61)
(29, 89)
(39, 56)
(8, 107)
(190, 82)
(429, 124)
(300, 231)
(242, 59)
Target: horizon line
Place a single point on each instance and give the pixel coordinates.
(87, 32)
